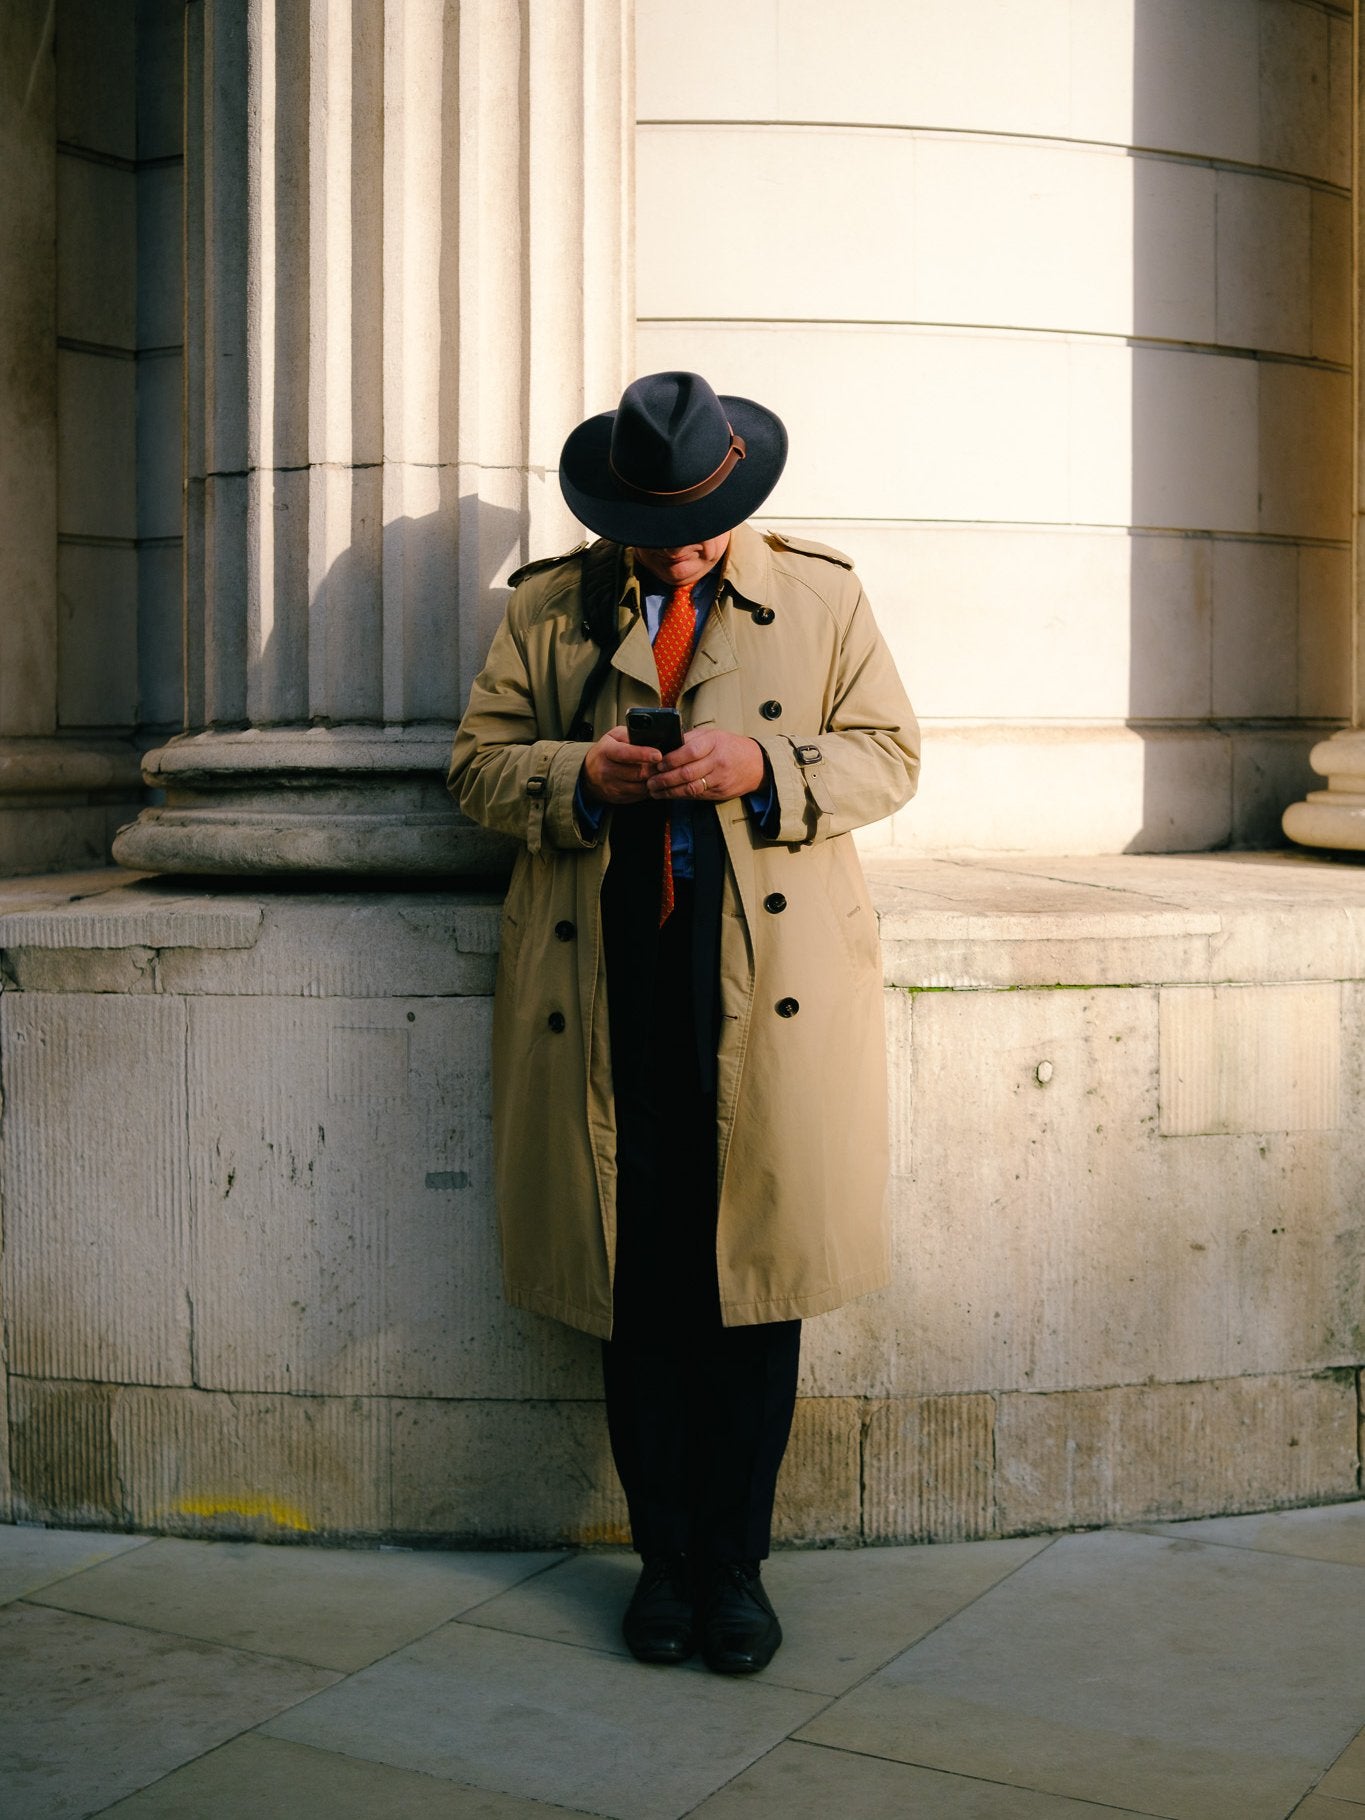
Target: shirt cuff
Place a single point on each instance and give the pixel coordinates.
(763, 805)
(589, 816)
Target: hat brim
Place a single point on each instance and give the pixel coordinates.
(598, 499)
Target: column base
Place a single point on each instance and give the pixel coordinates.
(364, 800)
(1334, 817)
(61, 800)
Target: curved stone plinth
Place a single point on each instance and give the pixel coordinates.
(1334, 817)
(61, 800)
(365, 800)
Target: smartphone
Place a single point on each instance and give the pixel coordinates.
(658, 727)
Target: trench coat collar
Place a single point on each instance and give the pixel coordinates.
(747, 574)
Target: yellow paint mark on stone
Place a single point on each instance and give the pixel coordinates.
(595, 1535)
(283, 1516)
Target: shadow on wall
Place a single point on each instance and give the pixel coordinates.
(1240, 402)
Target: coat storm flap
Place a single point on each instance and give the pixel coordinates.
(801, 1094)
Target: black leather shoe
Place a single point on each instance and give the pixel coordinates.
(740, 1631)
(660, 1624)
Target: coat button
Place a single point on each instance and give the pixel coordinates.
(565, 931)
(556, 1020)
(764, 616)
(774, 901)
(770, 710)
(787, 1007)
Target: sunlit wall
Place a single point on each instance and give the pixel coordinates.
(1054, 296)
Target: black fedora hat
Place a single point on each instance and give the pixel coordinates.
(673, 464)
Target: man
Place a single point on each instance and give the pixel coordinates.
(688, 1055)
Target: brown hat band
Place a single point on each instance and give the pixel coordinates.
(685, 495)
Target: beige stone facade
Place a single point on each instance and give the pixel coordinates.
(298, 302)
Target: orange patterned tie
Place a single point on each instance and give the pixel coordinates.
(672, 654)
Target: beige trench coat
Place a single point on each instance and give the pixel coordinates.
(801, 1093)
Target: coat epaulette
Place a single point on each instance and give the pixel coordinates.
(802, 546)
(515, 579)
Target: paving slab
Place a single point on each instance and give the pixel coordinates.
(1328, 1532)
(844, 1612)
(336, 1608)
(272, 1779)
(1323, 1807)
(32, 1558)
(568, 1726)
(1345, 1781)
(800, 1780)
(1180, 1678)
(92, 1711)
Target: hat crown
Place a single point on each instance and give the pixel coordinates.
(670, 432)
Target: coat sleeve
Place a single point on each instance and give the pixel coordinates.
(863, 763)
(503, 774)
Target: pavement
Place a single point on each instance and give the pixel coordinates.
(1210, 1670)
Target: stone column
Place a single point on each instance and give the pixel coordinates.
(1335, 817)
(408, 275)
(59, 788)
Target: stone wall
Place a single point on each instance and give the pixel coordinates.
(1056, 299)
(250, 1277)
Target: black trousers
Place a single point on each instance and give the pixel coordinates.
(699, 1414)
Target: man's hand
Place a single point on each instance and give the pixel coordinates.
(709, 766)
(614, 771)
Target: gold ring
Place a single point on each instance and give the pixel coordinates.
(704, 782)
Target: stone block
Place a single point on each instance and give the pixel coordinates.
(1270, 770)
(1194, 77)
(1255, 629)
(56, 839)
(1325, 633)
(189, 1462)
(358, 945)
(129, 913)
(1265, 277)
(1034, 236)
(97, 655)
(1250, 1059)
(96, 59)
(1193, 441)
(505, 1473)
(96, 438)
(94, 1180)
(344, 1237)
(1005, 620)
(116, 970)
(160, 495)
(929, 1469)
(1305, 429)
(673, 85)
(854, 190)
(819, 1490)
(6, 1489)
(160, 635)
(1144, 1256)
(96, 252)
(1173, 1450)
(1331, 277)
(902, 64)
(1296, 89)
(1082, 789)
(160, 78)
(1170, 626)
(1341, 98)
(1171, 261)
